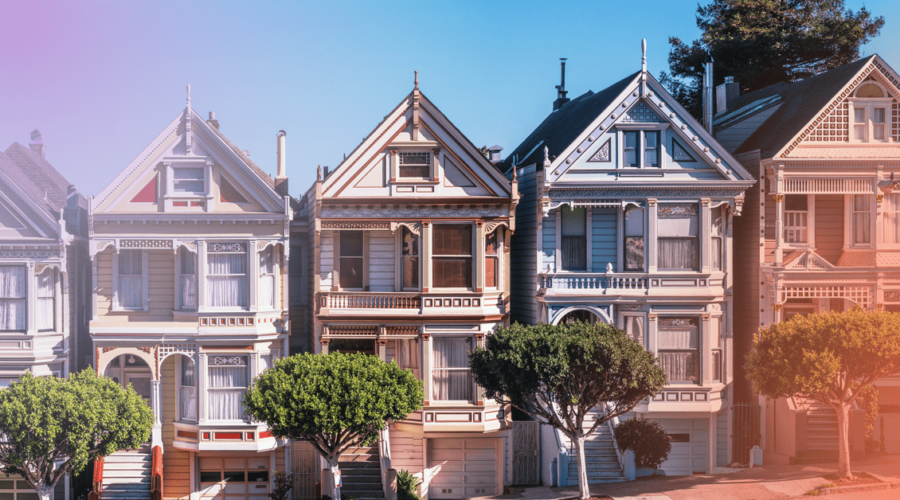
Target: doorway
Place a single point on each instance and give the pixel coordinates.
(130, 369)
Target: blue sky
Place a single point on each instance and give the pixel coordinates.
(101, 79)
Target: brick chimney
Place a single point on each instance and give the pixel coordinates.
(281, 180)
(37, 143)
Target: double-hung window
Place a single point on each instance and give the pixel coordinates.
(796, 219)
(452, 376)
(226, 275)
(452, 256)
(492, 259)
(188, 390)
(870, 114)
(12, 298)
(267, 281)
(634, 328)
(862, 219)
(46, 299)
(634, 239)
(716, 243)
(574, 238)
(678, 349)
(415, 165)
(130, 290)
(718, 367)
(351, 260)
(187, 279)
(407, 355)
(229, 379)
(640, 148)
(678, 243)
(189, 181)
(409, 259)
(891, 219)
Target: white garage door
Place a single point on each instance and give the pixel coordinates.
(463, 467)
(234, 478)
(690, 446)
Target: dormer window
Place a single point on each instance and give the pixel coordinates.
(415, 165)
(188, 181)
(870, 105)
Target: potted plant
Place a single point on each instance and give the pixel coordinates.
(649, 442)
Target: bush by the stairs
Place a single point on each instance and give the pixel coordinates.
(650, 443)
(284, 481)
(407, 486)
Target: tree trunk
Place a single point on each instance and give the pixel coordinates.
(44, 492)
(583, 487)
(332, 485)
(843, 416)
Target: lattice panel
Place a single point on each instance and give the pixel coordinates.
(166, 350)
(834, 127)
(641, 113)
(861, 295)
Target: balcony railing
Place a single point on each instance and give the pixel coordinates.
(371, 301)
(634, 283)
(595, 282)
(393, 302)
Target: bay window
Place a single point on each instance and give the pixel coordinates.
(188, 390)
(267, 281)
(12, 298)
(452, 256)
(574, 238)
(452, 376)
(130, 291)
(187, 279)
(492, 259)
(409, 259)
(46, 299)
(862, 219)
(634, 239)
(228, 382)
(351, 260)
(678, 238)
(678, 349)
(891, 219)
(226, 275)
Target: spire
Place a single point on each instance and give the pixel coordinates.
(644, 55)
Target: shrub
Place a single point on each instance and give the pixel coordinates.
(650, 443)
(407, 486)
(284, 481)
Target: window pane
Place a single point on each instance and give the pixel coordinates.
(234, 476)
(415, 165)
(678, 349)
(680, 366)
(46, 305)
(891, 229)
(226, 282)
(490, 272)
(878, 115)
(716, 254)
(351, 243)
(210, 476)
(409, 252)
(859, 115)
(634, 222)
(492, 243)
(574, 253)
(410, 272)
(861, 219)
(351, 272)
(634, 253)
(651, 149)
(452, 239)
(452, 272)
(130, 262)
(678, 253)
(630, 149)
(451, 374)
(188, 180)
(634, 327)
(410, 242)
(573, 221)
(878, 132)
(131, 291)
(795, 202)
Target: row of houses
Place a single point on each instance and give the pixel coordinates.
(193, 270)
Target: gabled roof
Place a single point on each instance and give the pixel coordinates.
(21, 183)
(801, 101)
(39, 173)
(562, 126)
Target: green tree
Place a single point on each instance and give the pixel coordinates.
(53, 426)
(334, 401)
(763, 42)
(559, 374)
(829, 357)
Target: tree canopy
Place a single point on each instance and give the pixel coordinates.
(561, 373)
(763, 42)
(48, 420)
(333, 401)
(828, 357)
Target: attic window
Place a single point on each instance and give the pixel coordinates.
(188, 181)
(415, 165)
(870, 112)
(870, 90)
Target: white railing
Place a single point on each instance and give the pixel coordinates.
(384, 454)
(796, 226)
(612, 423)
(337, 300)
(826, 185)
(596, 282)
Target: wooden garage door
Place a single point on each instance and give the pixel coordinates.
(234, 478)
(463, 468)
(690, 446)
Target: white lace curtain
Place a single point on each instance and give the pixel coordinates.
(452, 376)
(862, 215)
(227, 385)
(677, 243)
(408, 355)
(226, 280)
(12, 298)
(188, 280)
(891, 217)
(46, 299)
(188, 389)
(267, 278)
(131, 272)
(678, 350)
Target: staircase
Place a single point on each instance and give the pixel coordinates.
(600, 456)
(821, 435)
(361, 473)
(126, 474)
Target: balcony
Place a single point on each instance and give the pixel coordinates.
(412, 304)
(623, 283)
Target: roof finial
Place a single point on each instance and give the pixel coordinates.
(417, 79)
(644, 55)
(514, 173)
(319, 173)
(189, 95)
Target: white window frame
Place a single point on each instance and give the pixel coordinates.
(883, 219)
(365, 261)
(868, 105)
(197, 377)
(248, 255)
(623, 320)
(23, 299)
(276, 274)
(145, 271)
(55, 321)
(622, 246)
(850, 203)
(399, 261)
(179, 289)
(660, 218)
(473, 256)
(473, 388)
(498, 257)
(641, 129)
(207, 378)
(701, 347)
(428, 166)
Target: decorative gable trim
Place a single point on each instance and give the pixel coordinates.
(808, 260)
(679, 153)
(602, 154)
(26, 201)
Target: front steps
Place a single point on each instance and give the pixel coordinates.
(126, 474)
(600, 457)
(361, 473)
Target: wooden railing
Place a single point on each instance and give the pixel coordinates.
(371, 301)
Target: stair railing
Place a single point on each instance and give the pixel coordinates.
(612, 423)
(156, 475)
(384, 459)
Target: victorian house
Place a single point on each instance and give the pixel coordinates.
(822, 232)
(626, 218)
(43, 270)
(409, 239)
(189, 248)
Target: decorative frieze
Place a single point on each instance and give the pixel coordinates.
(679, 209)
(602, 154)
(146, 244)
(411, 211)
(228, 360)
(228, 247)
(355, 224)
(892, 295)
(28, 253)
(649, 191)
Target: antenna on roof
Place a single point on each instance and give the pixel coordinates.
(644, 55)
(561, 88)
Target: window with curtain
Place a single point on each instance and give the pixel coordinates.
(452, 255)
(492, 259)
(634, 239)
(351, 260)
(716, 233)
(862, 219)
(188, 390)
(407, 355)
(187, 280)
(267, 361)
(796, 218)
(678, 349)
(415, 165)
(131, 279)
(409, 259)
(12, 298)
(634, 328)
(574, 238)
(226, 275)
(677, 232)
(267, 282)
(891, 218)
(228, 382)
(630, 148)
(452, 376)
(188, 181)
(46, 299)
(718, 369)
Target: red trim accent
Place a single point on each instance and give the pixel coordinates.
(147, 194)
(179, 204)
(206, 436)
(265, 434)
(249, 436)
(156, 476)
(226, 435)
(186, 434)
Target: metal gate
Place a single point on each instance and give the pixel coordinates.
(745, 428)
(303, 465)
(526, 453)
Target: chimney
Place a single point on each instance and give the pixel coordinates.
(726, 93)
(708, 94)
(212, 120)
(72, 196)
(37, 143)
(494, 154)
(281, 180)
(561, 88)
(325, 176)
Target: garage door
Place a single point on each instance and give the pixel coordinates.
(463, 467)
(690, 446)
(234, 478)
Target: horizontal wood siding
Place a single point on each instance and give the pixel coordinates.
(603, 238)
(381, 261)
(523, 264)
(830, 226)
(176, 463)
(548, 253)
(746, 277)
(722, 439)
(104, 282)
(161, 287)
(407, 451)
(326, 260)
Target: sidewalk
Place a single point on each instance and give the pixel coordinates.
(760, 483)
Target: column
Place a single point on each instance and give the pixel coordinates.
(426, 256)
(705, 338)
(382, 348)
(779, 230)
(253, 255)
(30, 299)
(201, 389)
(155, 401)
(705, 241)
(201, 276)
(426, 367)
(479, 256)
(651, 235)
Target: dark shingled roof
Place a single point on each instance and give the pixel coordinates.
(41, 175)
(562, 126)
(802, 101)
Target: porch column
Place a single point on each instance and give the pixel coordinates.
(779, 230)
(155, 400)
(706, 340)
(201, 275)
(426, 367)
(253, 255)
(705, 239)
(382, 347)
(201, 388)
(650, 245)
(479, 257)
(31, 299)
(426, 256)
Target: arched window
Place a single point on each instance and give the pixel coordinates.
(581, 315)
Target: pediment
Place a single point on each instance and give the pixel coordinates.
(19, 218)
